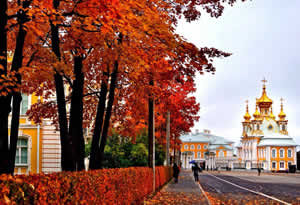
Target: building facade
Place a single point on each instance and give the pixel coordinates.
(265, 141)
(209, 151)
(38, 146)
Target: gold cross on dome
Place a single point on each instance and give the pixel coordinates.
(264, 81)
(281, 100)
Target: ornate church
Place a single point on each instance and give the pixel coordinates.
(265, 141)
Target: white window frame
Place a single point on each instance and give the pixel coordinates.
(192, 146)
(282, 168)
(186, 146)
(275, 153)
(29, 146)
(199, 154)
(275, 165)
(221, 155)
(199, 146)
(281, 151)
(291, 151)
(205, 146)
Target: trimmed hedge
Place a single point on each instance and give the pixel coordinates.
(106, 186)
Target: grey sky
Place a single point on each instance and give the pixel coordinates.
(263, 36)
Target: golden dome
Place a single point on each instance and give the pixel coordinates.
(257, 114)
(271, 114)
(281, 115)
(247, 116)
(264, 98)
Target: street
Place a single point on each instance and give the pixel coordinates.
(241, 188)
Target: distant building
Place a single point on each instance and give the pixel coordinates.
(38, 146)
(265, 141)
(209, 151)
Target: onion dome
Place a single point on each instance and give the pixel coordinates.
(247, 116)
(271, 114)
(264, 101)
(257, 114)
(281, 115)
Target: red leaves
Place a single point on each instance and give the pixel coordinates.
(106, 186)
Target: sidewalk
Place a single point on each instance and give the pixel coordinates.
(185, 192)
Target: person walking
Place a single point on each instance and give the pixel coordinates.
(196, 170)
(175, 172)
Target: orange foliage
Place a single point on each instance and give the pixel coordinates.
(106, 186)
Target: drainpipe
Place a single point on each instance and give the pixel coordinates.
(38, 146)
(38, 149)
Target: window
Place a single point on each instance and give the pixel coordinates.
(193, 155)
(199, 154)
(192, 146)
(289, 153)
(186, 146)
(205, 147)
(199, 147)
(273, 153)
(24, 104)
(281, 165)
(281, 153)
(273, 165)
(283, 127)
(22, 152)
(221, 154)
(257, 126)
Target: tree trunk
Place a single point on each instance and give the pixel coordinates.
(17, 98)
(150, 128)
(76, 114)
(111, 97)
(67, 161)
(168, 139)
(95, 150)
(4, 100)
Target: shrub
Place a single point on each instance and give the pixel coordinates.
(106, 186)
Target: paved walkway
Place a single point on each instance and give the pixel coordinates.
(185, 192)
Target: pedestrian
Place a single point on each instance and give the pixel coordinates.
(175, 172)
(258, 170)
(196, 170)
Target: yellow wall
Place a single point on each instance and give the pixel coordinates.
(195, 150)
(31, 131)
(279, 159)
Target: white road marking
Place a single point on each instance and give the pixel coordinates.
(259, 193)
(204, 193)
(202, 190)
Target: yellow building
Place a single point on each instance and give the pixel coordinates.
(210, 151)
(265, 141)
(38, 146)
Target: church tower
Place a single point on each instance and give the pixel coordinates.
(265, 142)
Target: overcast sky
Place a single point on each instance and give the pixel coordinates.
(263, 36)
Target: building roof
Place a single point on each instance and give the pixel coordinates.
(213, 147)
(276, 142)
(213, 140)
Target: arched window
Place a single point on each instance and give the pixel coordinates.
(283, 127)
(186, 146)
(192, 146)
(281, 153)
(24, 104)
(273, 152)
(22, 152)
(199, 146)
(221, 153)
(289, 153)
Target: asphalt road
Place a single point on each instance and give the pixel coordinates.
(284, 189)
